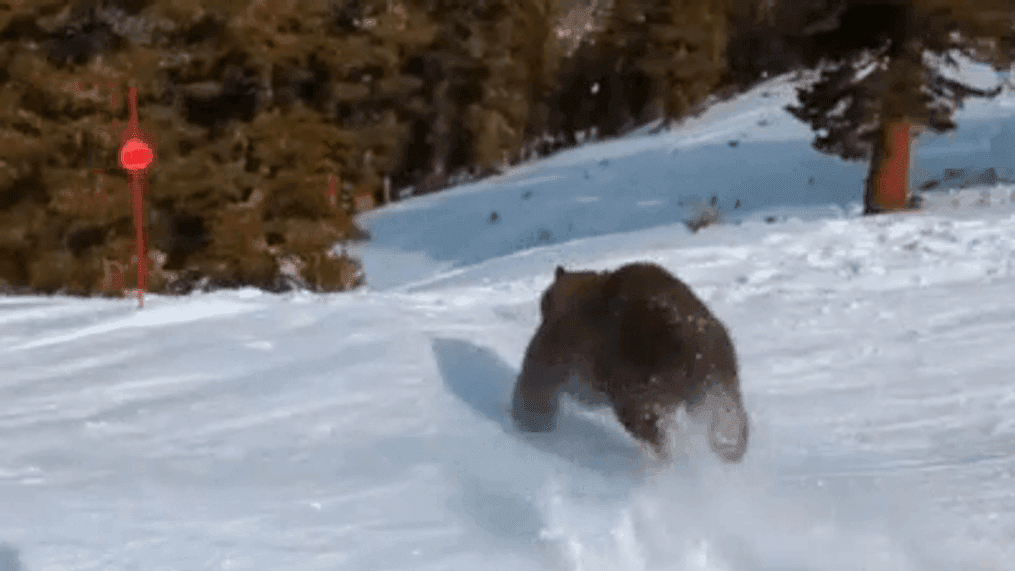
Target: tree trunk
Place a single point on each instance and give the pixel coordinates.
(887, 186)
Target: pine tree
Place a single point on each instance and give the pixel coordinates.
(678, 43)
(255, 105)
(881, 65)
(646, 60)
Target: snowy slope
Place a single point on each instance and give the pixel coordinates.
(646, 181)
(370, 431)
(632, 183)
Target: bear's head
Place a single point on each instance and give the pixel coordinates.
(572, 291)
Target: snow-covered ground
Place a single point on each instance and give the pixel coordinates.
(748, 154)
(370, 430)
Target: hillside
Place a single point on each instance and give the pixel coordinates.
(369, 430)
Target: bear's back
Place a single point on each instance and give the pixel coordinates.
(639, 314)
(645, 282)
(660, 319)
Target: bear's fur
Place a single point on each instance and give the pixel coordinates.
(636, 338)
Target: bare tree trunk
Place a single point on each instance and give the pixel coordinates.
(878, 159)
(887, 185)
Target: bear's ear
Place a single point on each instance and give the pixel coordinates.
(560, 271)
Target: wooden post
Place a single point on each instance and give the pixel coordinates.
(364, 200)
(332, 192)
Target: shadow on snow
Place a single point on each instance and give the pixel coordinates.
(479, 378)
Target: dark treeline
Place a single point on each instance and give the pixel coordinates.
(258, 107)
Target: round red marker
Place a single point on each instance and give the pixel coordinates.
(135, 155)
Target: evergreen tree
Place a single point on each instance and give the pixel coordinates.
(255, 106)
(768, 38)
(882, 63)
(646, 60)
(679, 44)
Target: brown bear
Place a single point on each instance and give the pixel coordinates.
(636, 338)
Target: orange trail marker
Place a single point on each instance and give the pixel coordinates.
(137, 156)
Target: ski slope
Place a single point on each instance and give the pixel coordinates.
(370, 430)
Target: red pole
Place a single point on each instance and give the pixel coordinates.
(137, 156)
(137, 186)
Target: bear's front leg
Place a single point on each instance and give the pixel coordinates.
(537, 392)
(534, 407)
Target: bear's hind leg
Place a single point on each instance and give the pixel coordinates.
(728, 434)
(642, 421)
(728, 424)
